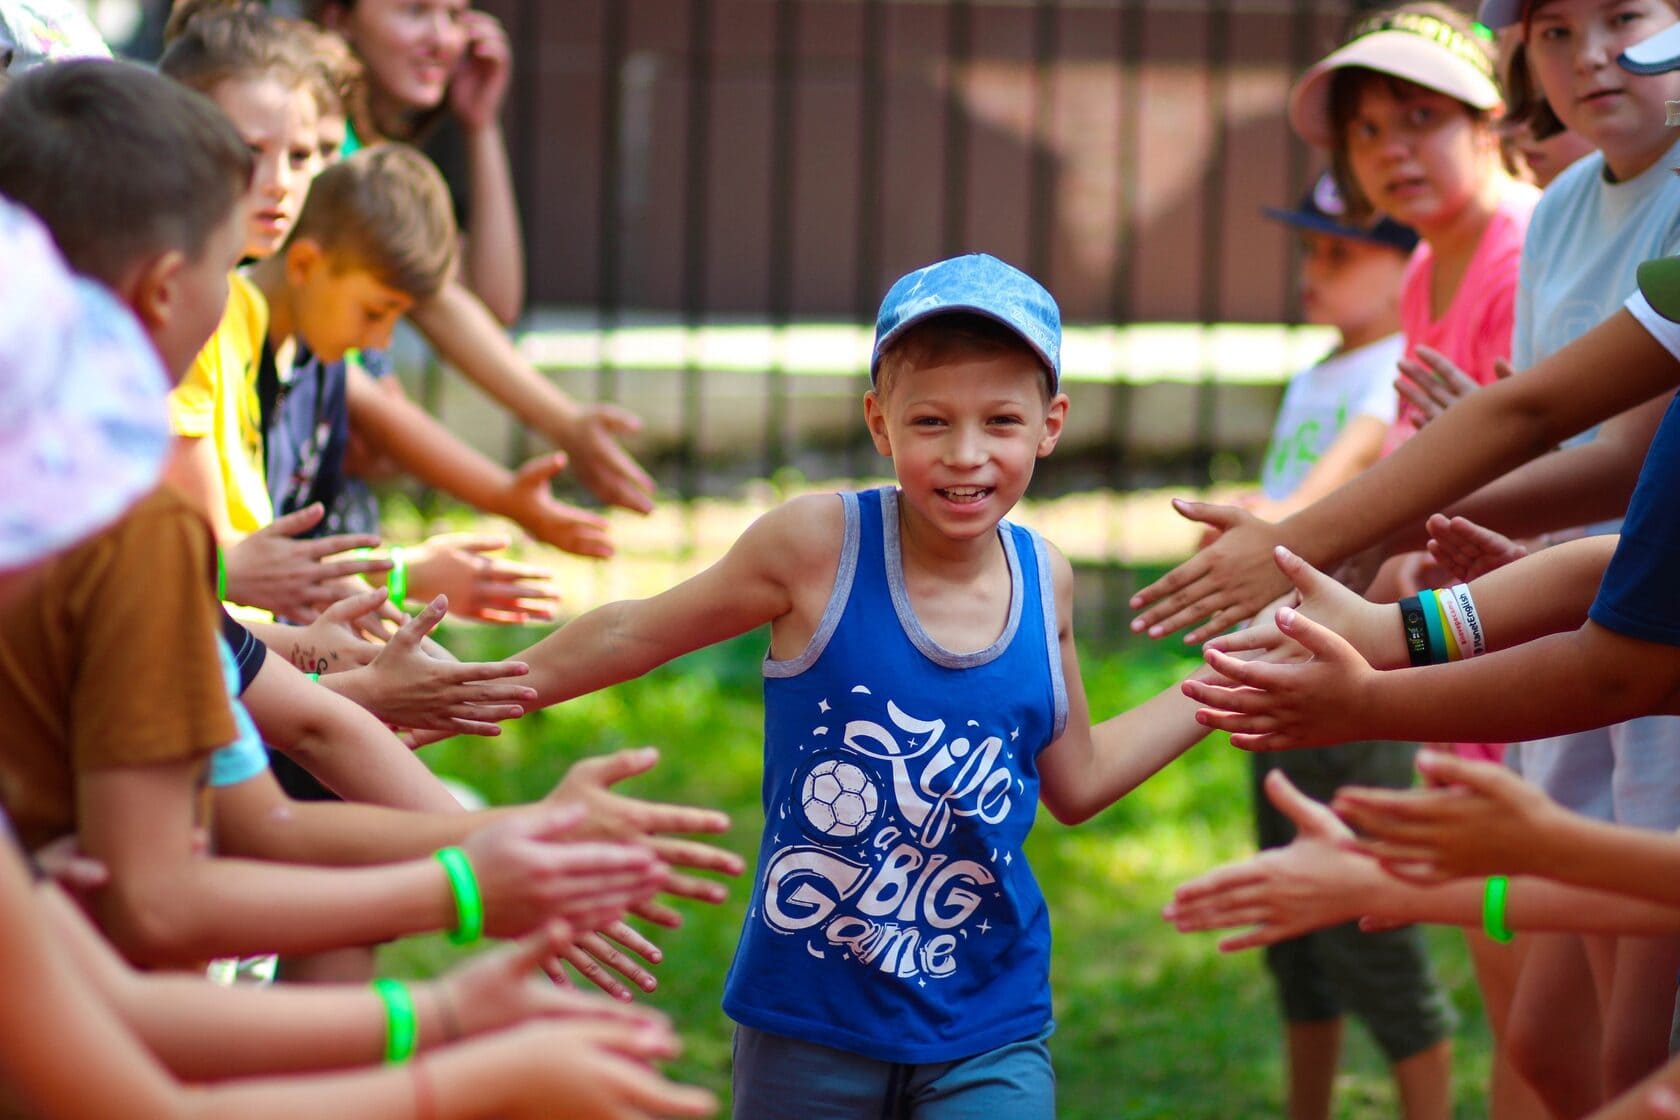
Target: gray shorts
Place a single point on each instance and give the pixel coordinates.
(1628, 773)
(781, 1078)
(1384, 979)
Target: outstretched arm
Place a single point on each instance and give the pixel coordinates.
(1476, 441)
(781, 568)
(1340, 694)
(432, 453)
(1317, 881)
(1089, 768)
(458, 326)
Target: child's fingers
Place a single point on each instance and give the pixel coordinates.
(695, 854)
(464, 673)
(652, 910)
(1240, 699)
(1217, 881)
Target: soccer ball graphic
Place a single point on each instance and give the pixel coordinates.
(839, 799)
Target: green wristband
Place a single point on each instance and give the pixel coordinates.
(402, 1026)
(221, 574)
(1493, 909)
(313, 676)
(397, 580)
(469, 904)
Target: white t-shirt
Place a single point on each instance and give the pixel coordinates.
(1585, 244)
(1318, 404)
(1665, 331)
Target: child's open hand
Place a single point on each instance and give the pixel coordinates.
(407, 687)
(1478, 818)
(594, 1071)
(1272, 707)
(532, 868)
(497, 989)
(1221, 585)
(532, 504)
(478, 585)
(1431, 383)
(1367, 626)
(614, 816)
(599, 460)
(1311, 883)
(599, 959)
(293, 578)
(1469, 550)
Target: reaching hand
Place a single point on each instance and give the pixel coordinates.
(1431, 383)
(1369, 627)
(334, 641)
(600, 462)
(497, 989)
(1469, 550)
(407, 687)
(597, 957)
(1478, 819)
(530, 502)
(1281, 893)
(1221, 585)
(533, 868)
(487, 588)
(1274, 707)
(593, 1071)
(292, 578)
(480, 84)
(613, 816)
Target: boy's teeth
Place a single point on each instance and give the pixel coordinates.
(965, 492)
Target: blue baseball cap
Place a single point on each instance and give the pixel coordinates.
(978, 284)
(1322, 210)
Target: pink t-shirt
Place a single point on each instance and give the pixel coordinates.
(1477, 326)
(1475, 331)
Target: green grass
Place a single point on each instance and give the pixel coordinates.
(1151, 1023)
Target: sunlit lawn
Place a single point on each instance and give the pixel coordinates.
(1151, 1024)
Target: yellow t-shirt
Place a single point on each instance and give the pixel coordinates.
(217, 399)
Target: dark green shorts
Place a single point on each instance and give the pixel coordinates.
(1385, 978)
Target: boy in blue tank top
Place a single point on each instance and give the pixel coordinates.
(921, 696)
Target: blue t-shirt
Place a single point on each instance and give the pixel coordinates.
(306, 430)
(1640, 593)
(894, 914)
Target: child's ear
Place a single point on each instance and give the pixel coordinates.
(304, 256)
(153, 290)
(876, 417)
(1055, 415)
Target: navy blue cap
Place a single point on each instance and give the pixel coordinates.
(1323, 211)
(979, 284)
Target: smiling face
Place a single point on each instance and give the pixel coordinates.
(963, 433)
(337, 305)
(410, 47)
(1572, 47)
(278, 124)
(1419, 156)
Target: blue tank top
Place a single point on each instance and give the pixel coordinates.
(894, 914)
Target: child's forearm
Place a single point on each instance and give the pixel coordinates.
(463, 332)
(495, 254)
(347, 749)
(203, 1031)
(206, 908)
(253, 820)
(1553, 685)
(195, 471)
(407, 433)
(1538, 905)
(1485, 435)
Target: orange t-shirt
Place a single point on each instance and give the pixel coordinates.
(109, 659)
